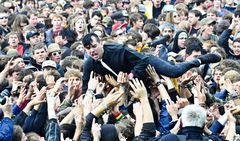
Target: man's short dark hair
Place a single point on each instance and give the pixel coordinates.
(135, 17)
(199, 2)
(87, 40)
(236, 40)
(196, 13)
(193, 44)
(97, 13)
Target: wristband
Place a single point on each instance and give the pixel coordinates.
(158, 83)
(118, 116)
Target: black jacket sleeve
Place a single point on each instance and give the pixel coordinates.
(148, 131)
(20, 119)
(223, 40)
(36, 121)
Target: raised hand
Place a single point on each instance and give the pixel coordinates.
(93, 81)
(96, 130)
(111, 80)
(100, 88)
(112, 98)
(172, 109)
(122, 78)
(152, 73)
(139, 90)
(7, 107)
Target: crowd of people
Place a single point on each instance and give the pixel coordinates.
(119, 70)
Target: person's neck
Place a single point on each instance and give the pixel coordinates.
(197, 25)
(56, 28)
(157, 5)
(205, 35)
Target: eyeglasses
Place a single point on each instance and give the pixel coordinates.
(182, 38)
(4, 17)
(175, 16)
(56, 53)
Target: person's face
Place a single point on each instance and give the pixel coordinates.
(56, 56)
(192, 19)
(236, 48)
(74, 81)
(206, 4)
(119, 5)
(30, 4)
(69, 10)
(41, 20)
(41, 37)
(110, 10)
(40, 55)
(139, 23)
(176, 18)
(19, 62)
(33, 20)
(58, 10)
(46, 12)
(157, 2)
(217, 3)
(15, 76)
(209, 28)
(34, 39)
(13, 40)
(212, 16)
(217, 76)
(79, 25)
(4, 19)
(95, 20)
(64, 22)
(229, 2)
(194, 55)
(59, 40)
(168, 31)
(57, 22)
(96, 49)
(236, 86)
(181, 39)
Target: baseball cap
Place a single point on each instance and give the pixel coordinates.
(207, 21)
(118, 26)
(49, 63)
(31, 34)
(118, 16)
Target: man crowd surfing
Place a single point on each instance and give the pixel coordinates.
(119, 70)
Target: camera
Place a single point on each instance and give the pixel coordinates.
(4, 93)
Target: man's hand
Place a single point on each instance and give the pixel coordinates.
(139, 90)
(122, 78)
(153, 74)
(111, 80)
(96, 130)
(7, 107)
(93, 81)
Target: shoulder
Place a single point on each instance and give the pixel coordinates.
(170, 137)
(113, 47)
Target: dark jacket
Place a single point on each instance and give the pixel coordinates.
(223, 42)
(191, 133)
(53, 131)
(36, 121)
(6, 129)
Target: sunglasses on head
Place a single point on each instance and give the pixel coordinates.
(56, 53)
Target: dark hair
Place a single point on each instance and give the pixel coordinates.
(193, 44)
(196, 13)
(135, 17)
(199, 2)
(69, 34)
(87, 40)
(133, 38)
(67, 130)
(17, 133)
(97, 13)
(152, 30)
(236, 40)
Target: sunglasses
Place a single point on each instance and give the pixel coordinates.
(182, 38)
(56, 53)
(3, 17)
(175, 16)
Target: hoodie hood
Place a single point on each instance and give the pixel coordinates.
(174, 45)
